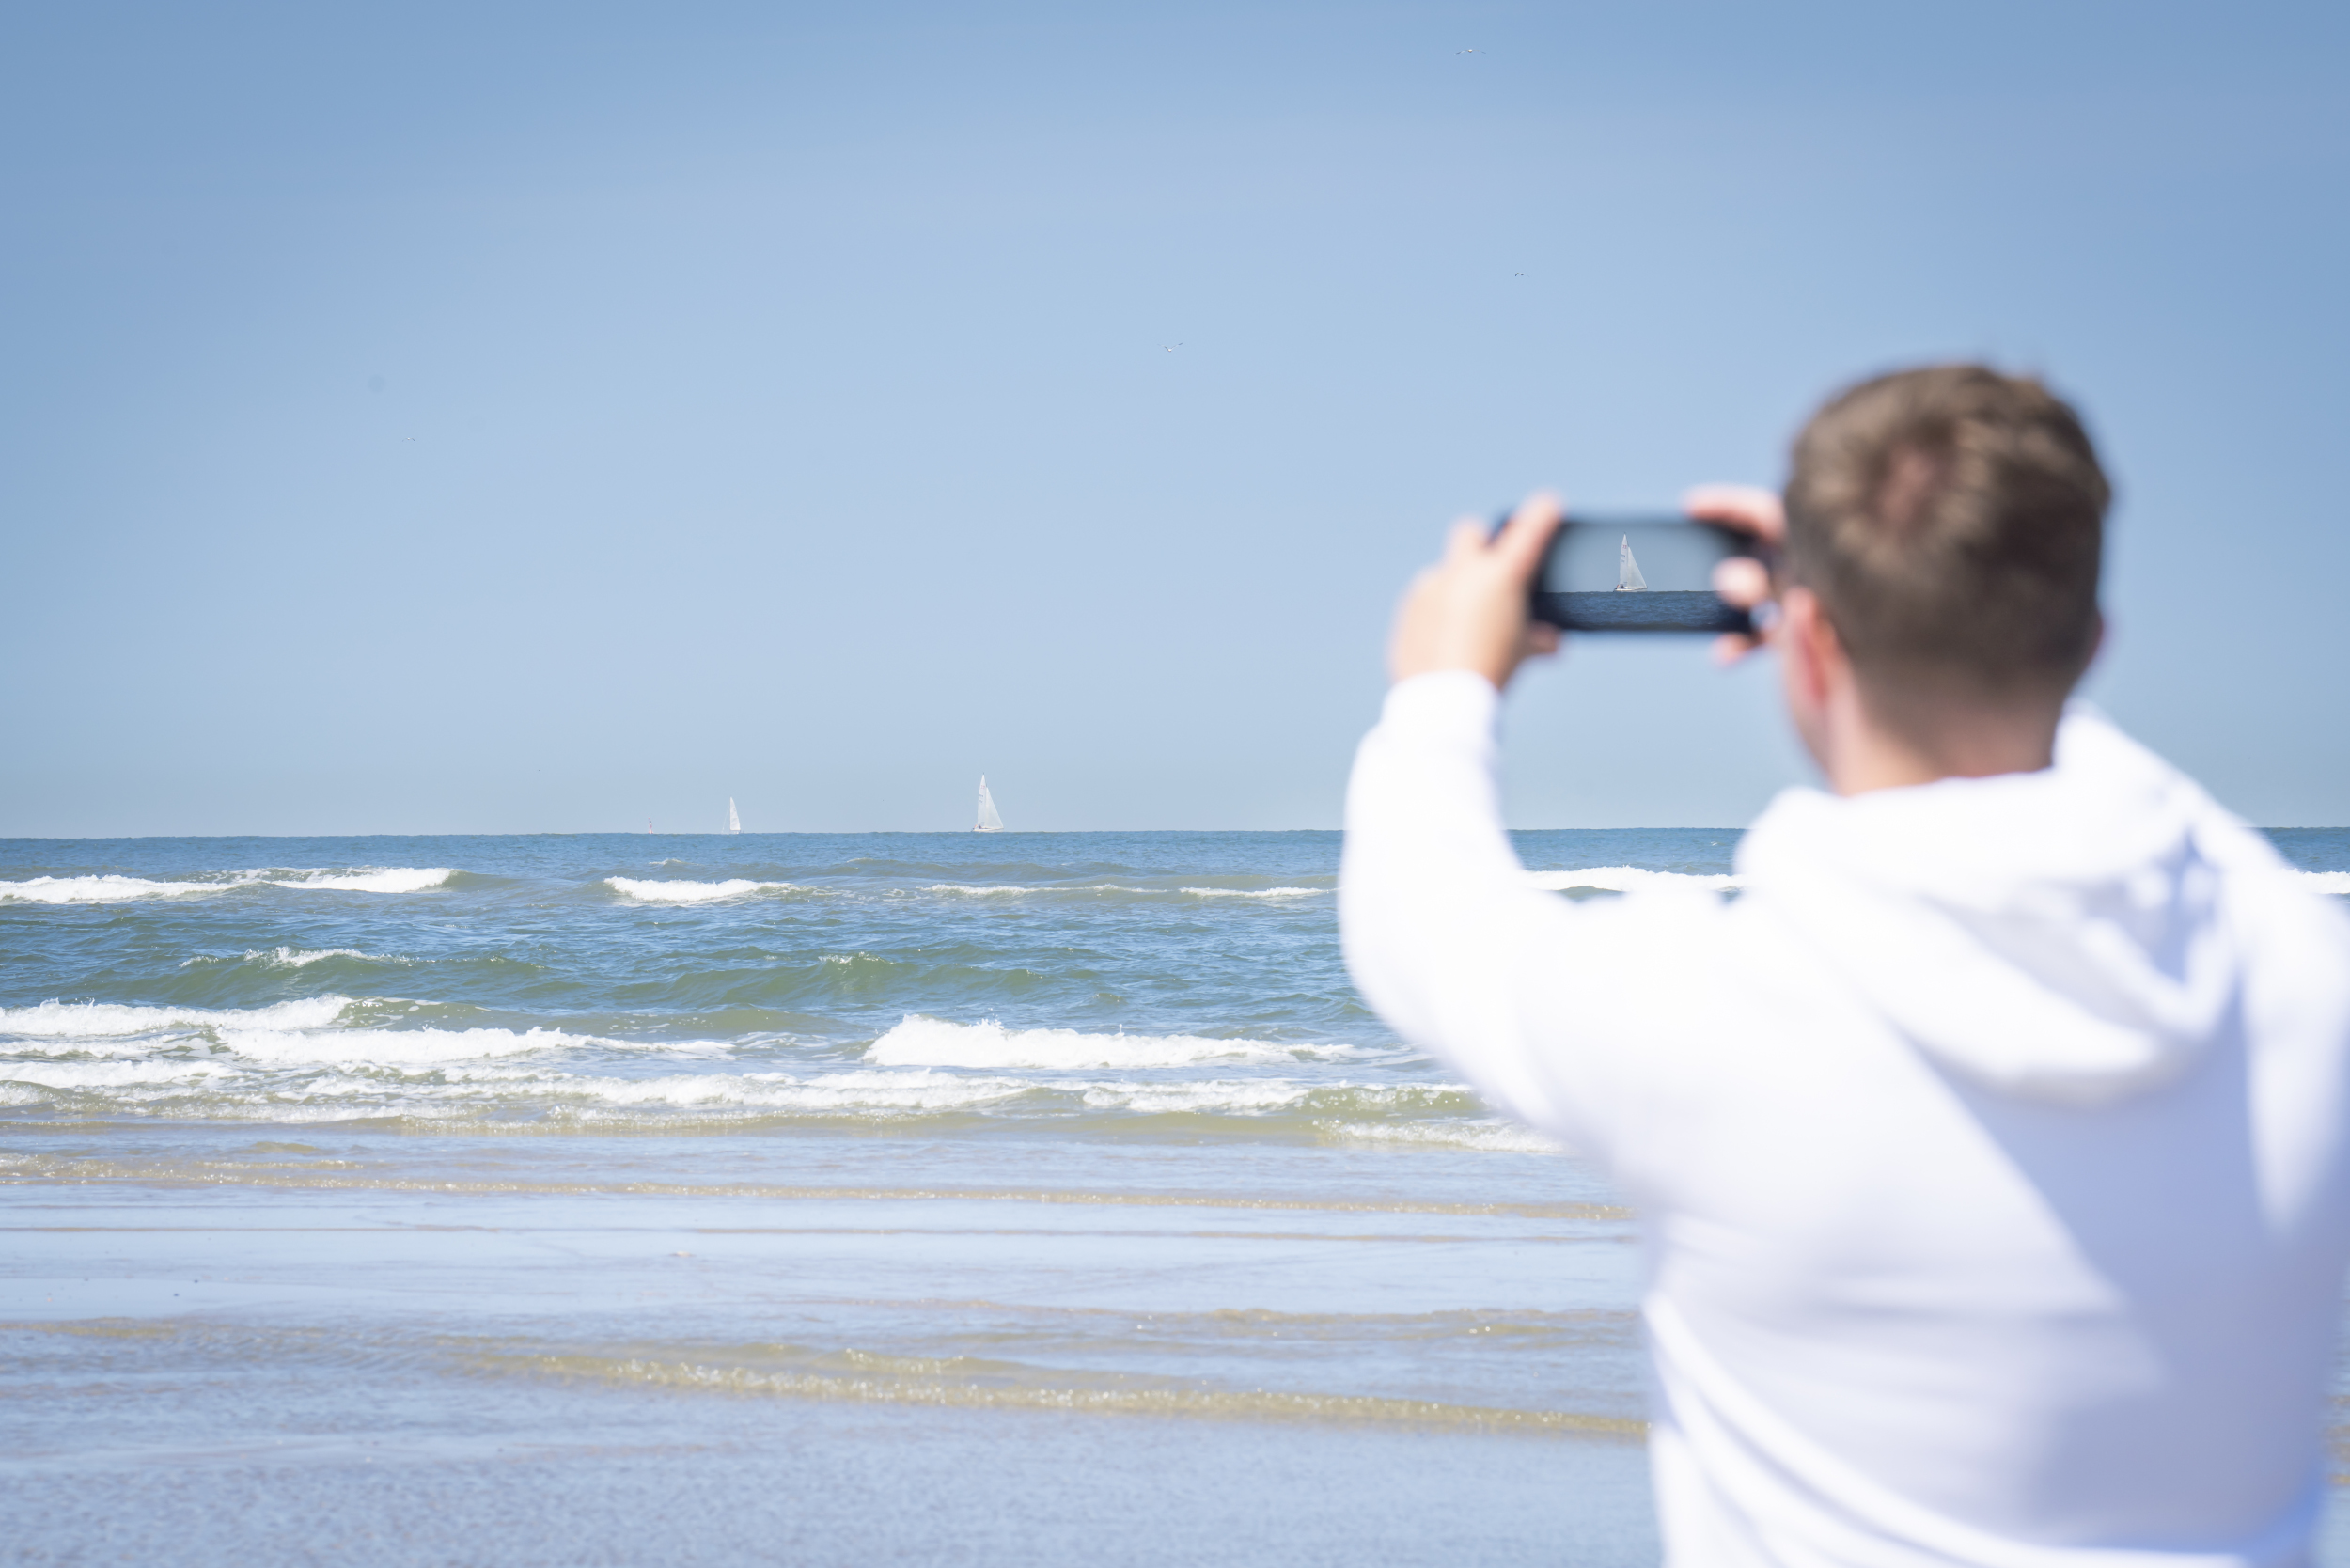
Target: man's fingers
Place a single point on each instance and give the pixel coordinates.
(1526, 534)
(1756, 510)
(1465, 541)
(1742, 580)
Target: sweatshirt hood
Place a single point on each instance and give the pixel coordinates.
(2061, 935)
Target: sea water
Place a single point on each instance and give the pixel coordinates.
(673, 1198)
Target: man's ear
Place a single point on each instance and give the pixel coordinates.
(1808, 642)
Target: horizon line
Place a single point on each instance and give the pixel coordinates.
(909, 832)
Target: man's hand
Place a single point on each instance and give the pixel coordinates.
(1469, 611)
(1742, 580)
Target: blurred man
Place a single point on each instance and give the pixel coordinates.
(1992, 1143)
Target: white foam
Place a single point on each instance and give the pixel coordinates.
(2326, 882)
(996, 892)
(308, 1074)
(1254, 893)
(860, 1092)
(690, 892)
(1256, 1096)
(1485, 1136)
(105, 889)
(921, 1042)
(1243, 1097)
(1626, 879)
(122, 889)
(301, 958)
(300, 1031)
(151, 1073)
(854, 1091)
(391, 1047)
(923, 1091)
(387, 879)
(103, 1020)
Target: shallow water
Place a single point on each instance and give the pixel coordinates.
(694, 1198)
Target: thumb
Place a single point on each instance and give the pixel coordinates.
(1528, 532)
(1465, 540)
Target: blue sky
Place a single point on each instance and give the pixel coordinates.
(439, 418)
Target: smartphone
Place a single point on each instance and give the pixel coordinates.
(1641, 574)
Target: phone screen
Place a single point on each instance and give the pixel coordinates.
(1639, 574)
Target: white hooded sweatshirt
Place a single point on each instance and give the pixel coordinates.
(1994, 1144)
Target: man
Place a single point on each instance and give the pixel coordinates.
(1994, 1144)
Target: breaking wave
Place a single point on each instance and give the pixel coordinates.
(313, 1030)
(288, 958)
(101, 889)
(1253, 892)
(920, 1041)
(300, 958)
(123, 889)
(97, 1021)
(1486, 1133)
(393, 879)
(489, 1080)
(336, 1058)
(392, 1047)
(692, 892)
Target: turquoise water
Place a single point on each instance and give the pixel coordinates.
(696, 1199)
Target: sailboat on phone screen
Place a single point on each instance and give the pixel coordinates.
(1628, 578)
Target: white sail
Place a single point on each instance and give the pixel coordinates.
(1628, 578)
(734, 823)
(989, 820)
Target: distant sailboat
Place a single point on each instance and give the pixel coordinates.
(989, 820)
(1628, 578)
(734, 823)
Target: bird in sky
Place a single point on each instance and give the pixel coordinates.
(1468, 51)
(1172, 347)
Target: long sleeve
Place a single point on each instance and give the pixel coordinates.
(1444, 935)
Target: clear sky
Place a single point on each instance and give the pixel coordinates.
(545, 418)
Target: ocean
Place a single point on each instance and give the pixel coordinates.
(673, 1198)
